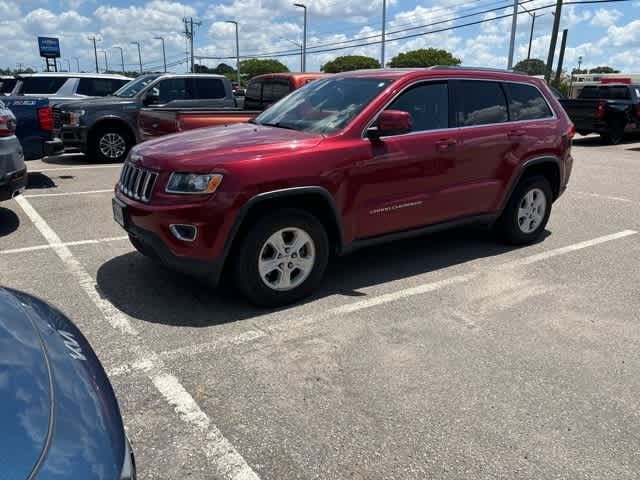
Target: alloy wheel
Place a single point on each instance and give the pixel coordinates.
(286, 259)
(531, 210)
(112, 145)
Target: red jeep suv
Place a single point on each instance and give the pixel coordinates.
(347, 161)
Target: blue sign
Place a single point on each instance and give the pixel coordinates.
(49, 47)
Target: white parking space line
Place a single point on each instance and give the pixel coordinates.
(228, 463)
(291, 325)
(75, 167)
(605, 197)
(67, 244)
(64, 194)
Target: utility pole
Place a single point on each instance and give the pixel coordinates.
(512, 41)
(554, 40)
(121, 57)
(95, 52)
(188, 31)
(77, 59)
(563, 44)
(304, 37)
(68, 64)
(139, 55)
(164, 55)
(297, 44)
(19, 65)
(237, 51)
(533, 23)
(106, 62)
(384, 30)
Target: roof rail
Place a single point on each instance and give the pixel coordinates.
(482, 69)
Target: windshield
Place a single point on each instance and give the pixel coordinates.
(324, 106)
(132, 88)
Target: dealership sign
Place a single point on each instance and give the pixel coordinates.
(49, 47)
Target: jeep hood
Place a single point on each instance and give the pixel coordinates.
(197, 150)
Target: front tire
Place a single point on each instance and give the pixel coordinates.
(111, 144)
(527, 213)
(282, 258)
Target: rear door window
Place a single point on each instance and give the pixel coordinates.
(618, 93)
(206, 88)
(99, 87)
(428, 105)
(172, 89)
(526, 102)
(479, 103)
(42, 85)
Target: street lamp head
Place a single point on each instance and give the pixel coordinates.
(158, 38)
(301, 5)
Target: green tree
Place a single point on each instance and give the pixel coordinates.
(252, 67)
(603, 69)
(578, 71)
(424, 57)
(347, 63)
(223, 69)
(533, 66)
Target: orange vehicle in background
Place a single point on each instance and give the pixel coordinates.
(262, 92)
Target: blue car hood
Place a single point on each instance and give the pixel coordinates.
(59, 416)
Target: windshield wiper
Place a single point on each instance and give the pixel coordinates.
(279, 125)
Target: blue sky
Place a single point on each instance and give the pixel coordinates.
(601, 33)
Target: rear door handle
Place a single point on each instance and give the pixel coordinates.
(516, 133)
(445, 144)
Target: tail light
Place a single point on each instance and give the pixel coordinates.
(7, 125)
(45, 118)
(602, 108)
(571, 132)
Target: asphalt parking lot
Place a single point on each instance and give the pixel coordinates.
(450, 356)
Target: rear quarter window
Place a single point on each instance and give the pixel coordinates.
(42, 85)
(526, 102)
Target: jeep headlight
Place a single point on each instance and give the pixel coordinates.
(73, 118)
(193, 182)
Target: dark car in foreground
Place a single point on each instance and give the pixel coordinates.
(13, 171)
(59, 418)
(611, 110)
(348, 161)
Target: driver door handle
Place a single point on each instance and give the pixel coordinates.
(445, 144)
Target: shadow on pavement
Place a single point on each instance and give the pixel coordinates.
(37, 180)
(151, 293)
(9, 221)
(596, 141)
(72, 159)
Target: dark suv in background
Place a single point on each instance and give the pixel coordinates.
(348, 161)
(105, 128)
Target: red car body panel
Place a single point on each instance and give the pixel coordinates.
(401, 183)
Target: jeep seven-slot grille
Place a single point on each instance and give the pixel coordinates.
(136, 182)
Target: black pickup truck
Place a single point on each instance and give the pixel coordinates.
(608, 109)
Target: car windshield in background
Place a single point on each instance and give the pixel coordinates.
(132, 88)
(324, 106)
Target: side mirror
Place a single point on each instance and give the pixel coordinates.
(152, 97)
(391, 122)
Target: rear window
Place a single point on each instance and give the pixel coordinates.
(42, 85)
(479, 103)
(254, 91)
(526, 102)
(274, 91)
(208, 88)
(620, 92)
(99, 87)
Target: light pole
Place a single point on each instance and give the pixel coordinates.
(68, 64)
(139, 54)
(297, 44)
(512, 40)
(164, 56)
(533, 23)
(237, 51)
(121, 56)
(384, 28)
(77, 59)
(106, 62)
(304, 37)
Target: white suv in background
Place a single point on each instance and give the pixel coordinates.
(68, 86)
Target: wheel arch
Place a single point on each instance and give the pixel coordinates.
(315, 199)
(109, 121)
(547, 166)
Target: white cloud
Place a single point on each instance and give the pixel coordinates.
(8, 10)
(605, 17)
(628, 34)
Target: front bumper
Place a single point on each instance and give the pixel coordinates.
(73, 137)
(150, 226)
(53, 147)
(13, 184)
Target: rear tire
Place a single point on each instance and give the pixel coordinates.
(282, 258)
(527, 213)
(111, 144)
(615, 135)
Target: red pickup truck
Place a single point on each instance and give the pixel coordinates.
(262, 91)
(348, 161)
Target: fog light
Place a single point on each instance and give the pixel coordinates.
(186, 233)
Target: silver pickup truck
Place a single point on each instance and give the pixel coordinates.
(13, 172)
